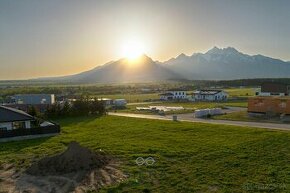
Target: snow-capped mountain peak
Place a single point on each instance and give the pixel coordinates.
(228, 63)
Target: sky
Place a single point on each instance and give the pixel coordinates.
(61, 37)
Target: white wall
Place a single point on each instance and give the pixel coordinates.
(178, 94)
(27, 124)
(221, 95)
(7, 125)
(217, 97)
(269, 94)
(52, 99)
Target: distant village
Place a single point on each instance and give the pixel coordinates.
(23, 111)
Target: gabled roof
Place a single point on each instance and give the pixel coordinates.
(8, 114)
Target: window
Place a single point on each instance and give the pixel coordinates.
(3, 129)
(19, 125)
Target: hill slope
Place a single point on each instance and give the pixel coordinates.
(123, 70)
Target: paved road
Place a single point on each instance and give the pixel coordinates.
(190, 118)
(234, 109)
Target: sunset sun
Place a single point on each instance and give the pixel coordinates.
(133, 49)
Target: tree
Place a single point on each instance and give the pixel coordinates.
(32, 111)
(66, 109)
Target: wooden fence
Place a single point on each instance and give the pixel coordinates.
(32, 131)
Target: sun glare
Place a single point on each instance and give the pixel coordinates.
(133, 49)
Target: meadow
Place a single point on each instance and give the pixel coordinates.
(238, 116)
(241, 92)
(243, 116)
(189, 157)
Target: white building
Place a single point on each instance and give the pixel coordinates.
(173, 95)
(210, 95)
(205, 112)
(11, 118)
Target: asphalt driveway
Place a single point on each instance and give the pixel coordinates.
(189, 117)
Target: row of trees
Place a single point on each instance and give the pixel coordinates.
(83, 106)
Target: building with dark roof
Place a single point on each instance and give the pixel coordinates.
(11, 118)
(274, 89)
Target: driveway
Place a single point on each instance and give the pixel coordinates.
(190, 118)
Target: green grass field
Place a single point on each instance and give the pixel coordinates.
(190, 157)
(237, 116)
(243, 116)
(241, 92)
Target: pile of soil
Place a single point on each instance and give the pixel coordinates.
(76, 158)
(76, 170)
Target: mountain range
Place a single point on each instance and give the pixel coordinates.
(216, 64)
(123, 70)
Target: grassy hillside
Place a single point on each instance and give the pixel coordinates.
(190, 157)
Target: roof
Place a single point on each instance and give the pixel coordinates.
(273, 87)
(166, 94)
(8, 114)
(207, 92)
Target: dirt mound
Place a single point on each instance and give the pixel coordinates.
(77, 170)
(76, 158)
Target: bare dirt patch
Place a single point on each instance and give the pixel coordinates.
(78, 170)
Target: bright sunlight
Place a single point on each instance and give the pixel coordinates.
(133, 49)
